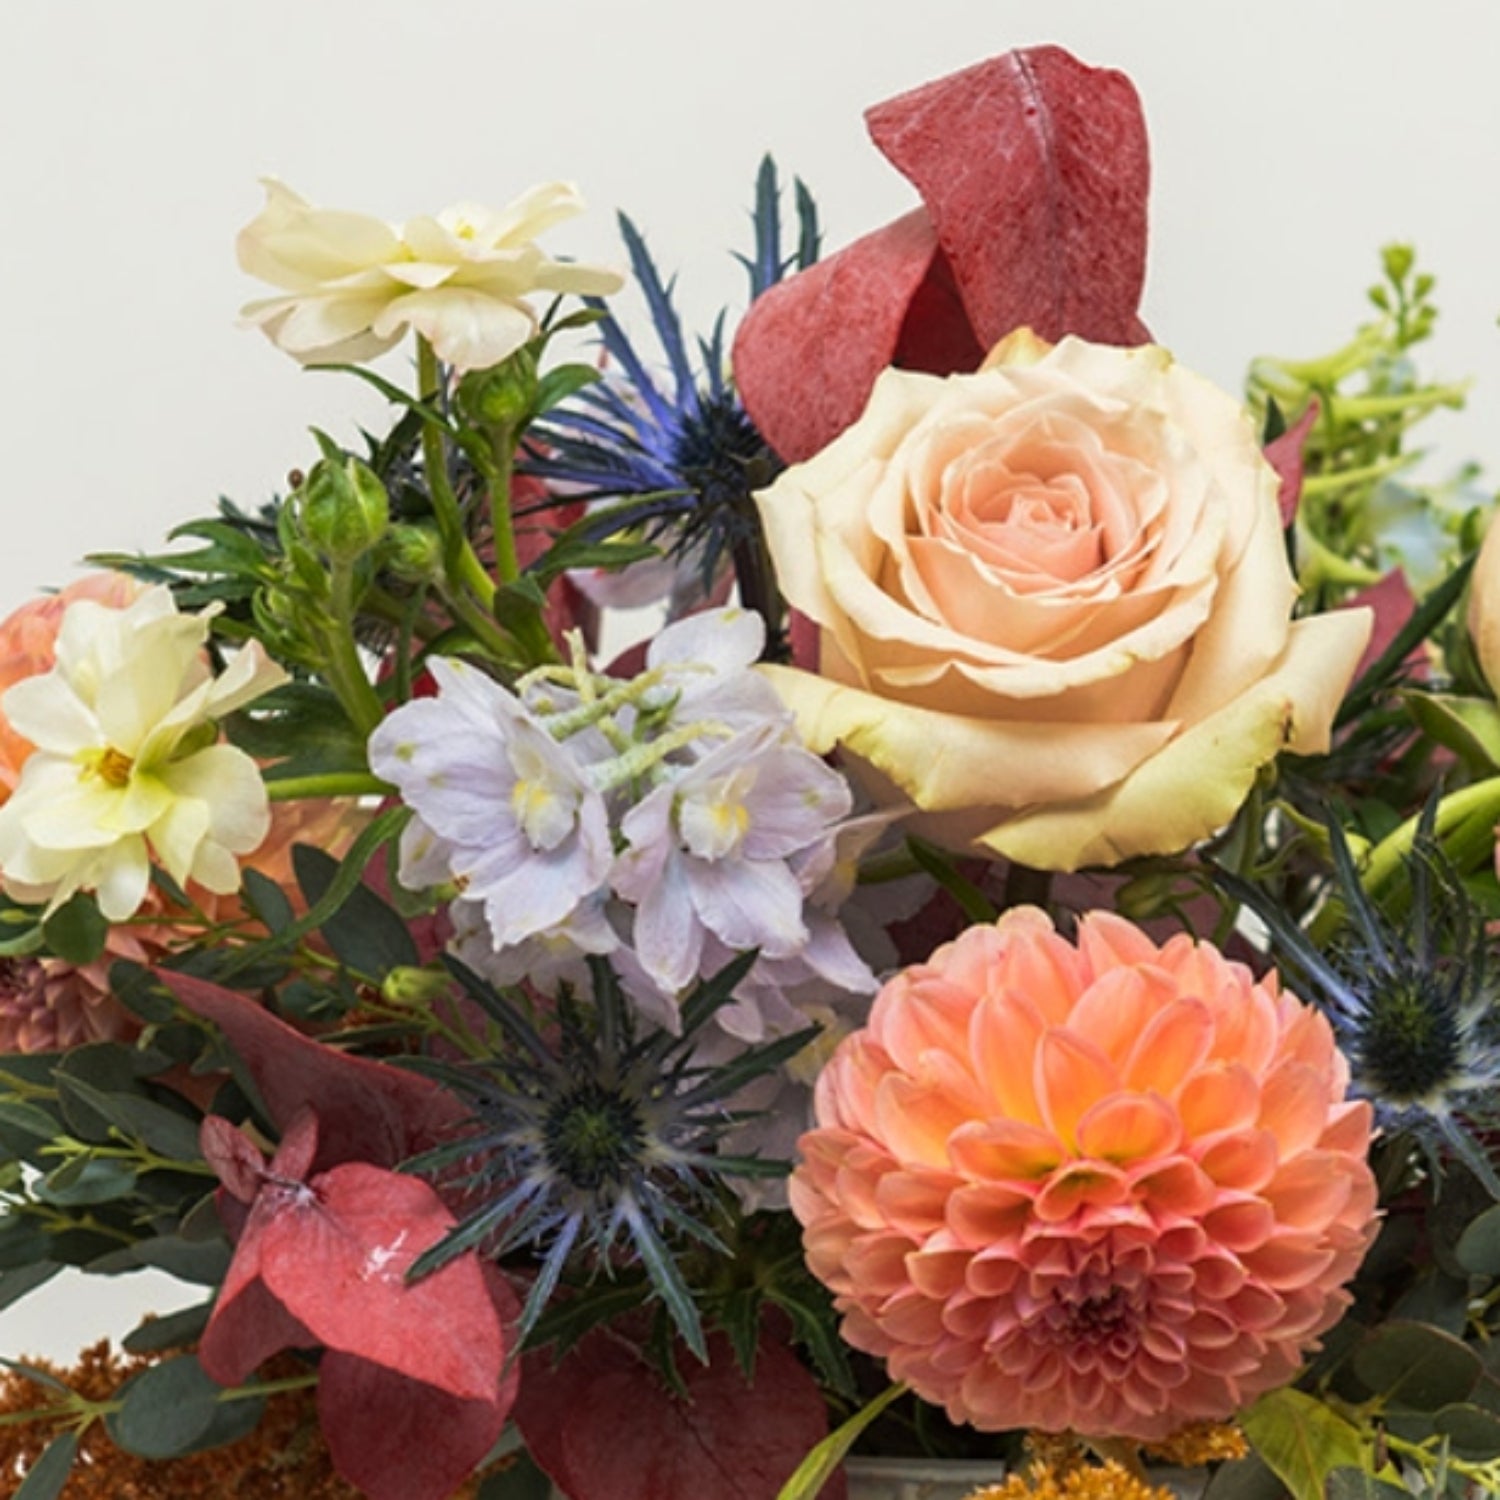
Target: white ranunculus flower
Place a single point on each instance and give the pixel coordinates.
(354, 285)
(127, 767)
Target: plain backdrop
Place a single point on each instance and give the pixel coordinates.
(1290, 140)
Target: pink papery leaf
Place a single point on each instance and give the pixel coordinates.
(397, 1439)
(413, 1391)
(367, 1111)
(1392, 601)
(1284, 454)
(604, 1426)
(1033, 170)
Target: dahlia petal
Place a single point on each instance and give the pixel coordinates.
(1175, 1186)
(986, 1213)
(1081, 1184)
(1071, 1075)
(1171, 1048)
(1288, 1259)
(877, 1262)
(1241, 1223)
(914, 1201)
(1003, 1035)
(1242, 1161)
(1004, 1150)
(1294, 1107)
(1219, 1097)
(1129, 1127)
(916, 1120)
(1310, 1192)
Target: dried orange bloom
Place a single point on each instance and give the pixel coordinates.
(1201, 1443)
(1107, 1481)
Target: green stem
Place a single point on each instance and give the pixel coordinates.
(502, 522)
(343, 668)
(464, 569)
(328, 784)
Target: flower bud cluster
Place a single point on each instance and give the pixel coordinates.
(669, 821)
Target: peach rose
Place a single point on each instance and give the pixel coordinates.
(1054, 604)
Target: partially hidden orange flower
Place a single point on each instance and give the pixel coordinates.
(1112, 1187)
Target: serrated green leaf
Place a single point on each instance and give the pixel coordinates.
(46, 1477)
(1302, 1440)
(76, 931)
(166, 1409)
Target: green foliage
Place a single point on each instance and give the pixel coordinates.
(1362, 511)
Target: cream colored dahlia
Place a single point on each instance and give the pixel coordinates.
(1110, 1187)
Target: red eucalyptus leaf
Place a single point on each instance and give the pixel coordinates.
(233, 1155)
(1284, 454)
(336, 1255)
(248, 1325)
(808, 351)
(397, 1439)
(1392, 601)
(604, 1427)
(1033, 171)
(366, 1110)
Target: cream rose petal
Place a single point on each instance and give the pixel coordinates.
(1199, 780)
(946, 762)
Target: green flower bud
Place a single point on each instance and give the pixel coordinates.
(505, 396)
(407, 986)
(414, 553)
(345, 509)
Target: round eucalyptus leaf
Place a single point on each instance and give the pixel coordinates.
(165, 1409)
(1415, 1366)
(1478, 1248)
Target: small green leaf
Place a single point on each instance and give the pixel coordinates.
(165, 1409)
(17, 1284)
(162, 1130)
(36, 1376)
(560, 382)
(1302, 1440)
(1470, 727)
(821, 1464)
(365, 933)
(267, 901)
(141, 993)
(170, 1331)
(204, 1264)
(47, 1476)
(76, 931)
(28, 1119)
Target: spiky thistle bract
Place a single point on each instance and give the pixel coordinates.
(596, 1143)
(1411, 998)
(677, 459)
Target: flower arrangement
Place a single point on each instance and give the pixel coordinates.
(1001, 969)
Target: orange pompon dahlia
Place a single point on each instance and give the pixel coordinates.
(1110, 1187)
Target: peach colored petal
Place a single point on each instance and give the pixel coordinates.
(1001, 1150)
(1072, 1074)
(1128, 1127)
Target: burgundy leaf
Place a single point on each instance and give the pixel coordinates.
(1284, 454)
(1392, 601)
(604, 1426)
(397, 1439)
(367, 1111)
(1033, 171)
(248, 1324)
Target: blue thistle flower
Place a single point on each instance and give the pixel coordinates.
(601, 1146)
(679, 459)
(1411, 999)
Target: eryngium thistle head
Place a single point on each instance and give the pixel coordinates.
(1411, 998)
(599, 1145)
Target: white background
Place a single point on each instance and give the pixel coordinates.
(1290, 139)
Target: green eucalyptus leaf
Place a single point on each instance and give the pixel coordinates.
(1415, 1366)
(169, 1331)
(520, 1479)
(1478, 1248)
(29, 1121)
(365, 933)
(1302, 1440)
(1248, 1478)
(46, 1477)
(267, 901)
(303, 729)
(23, 1243)
(162, 1130)
(1472, 1432)
(14, 1285)
(141, 993)
(166, 1409)
(85, 1180)
(204, 1263)
(36, 1376)
(77, 930)
(1359, 1484)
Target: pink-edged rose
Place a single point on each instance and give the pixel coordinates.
(1054, 604)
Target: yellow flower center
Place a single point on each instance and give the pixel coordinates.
(111, 766)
